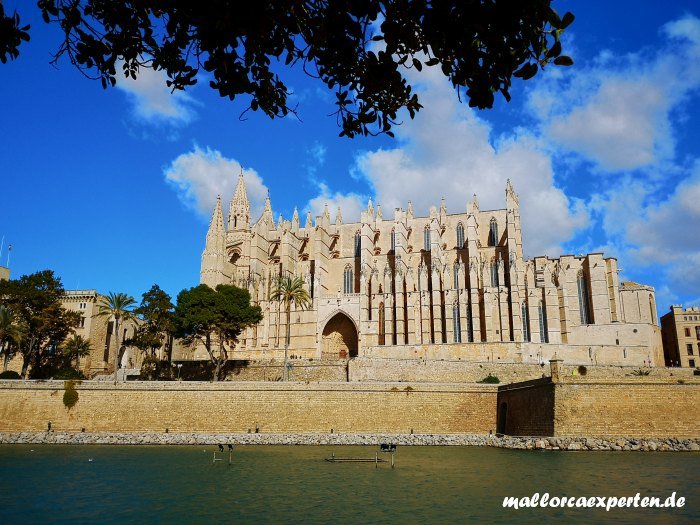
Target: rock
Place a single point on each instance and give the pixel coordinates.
(694, 446)
(574, 446)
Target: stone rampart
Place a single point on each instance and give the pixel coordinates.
(242, 407)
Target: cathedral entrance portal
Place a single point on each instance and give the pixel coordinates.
(339, 338)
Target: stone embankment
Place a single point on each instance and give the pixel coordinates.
(510, 442)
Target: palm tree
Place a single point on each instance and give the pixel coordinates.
(290, 290)
(75, 348)
(119, 306)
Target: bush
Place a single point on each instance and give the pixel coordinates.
(640, 372)
(490, 379)
(68, 373)
(9, 374)
(70, 394)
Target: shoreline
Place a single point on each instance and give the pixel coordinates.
(508, 442)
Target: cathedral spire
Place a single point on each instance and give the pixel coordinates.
(267, 213)
(214, 250)
(239, 209)
(295, 220)
(409, 210)
(474, 205)
(309, 223)
(339, 217)
(370, 208)
(216, 226)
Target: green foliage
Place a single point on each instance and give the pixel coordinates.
(68, 373)
(9, 374)
(153, 369)
(35, 301)
(156, 314)
(70, 394)
(215, 319)
(120, 307)
(641, 372)
(243, 48)
(74, 348)
(490, 379)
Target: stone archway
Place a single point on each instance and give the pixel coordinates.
(339, 339)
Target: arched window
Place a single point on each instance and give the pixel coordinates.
(393, 240)
(494, 273)
(426, 238)
(348, 280)
(358, 244)
(526, 323)
(470, 329)
(456, 277)
(493, 232)
(583, 302)
(456, 327)
(460, 236)
(381, 323)
(542, 314)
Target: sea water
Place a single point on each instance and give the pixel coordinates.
(293, 484)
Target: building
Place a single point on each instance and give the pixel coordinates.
(444, 286)
(100, 332)
(680, 330)
(4, 273)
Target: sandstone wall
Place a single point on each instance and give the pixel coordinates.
(653, 407)
(240, 407)
(526, 409)
(646, 407)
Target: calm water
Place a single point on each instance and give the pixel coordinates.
(99, 484)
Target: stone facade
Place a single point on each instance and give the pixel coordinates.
(564, 405)
(238, 407)
(4, 273)
(100, 332)
(457, 281)
(680, 330)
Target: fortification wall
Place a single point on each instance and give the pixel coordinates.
(575, 406)
(241, 407)
(530, 353)
(646, 407)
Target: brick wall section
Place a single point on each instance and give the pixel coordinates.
(530, 408)
(237, 407)
(641, 407)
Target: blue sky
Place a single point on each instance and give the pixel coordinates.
(114, 189)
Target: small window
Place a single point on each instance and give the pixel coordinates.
(348, 280)
(493, 232)
(393, 241)
(691, 363)
(542, 313)
(426, 239)
(526, 324)
(687, 332)
(689, 348)
(456, 325)
(358, 244)
(697, 333)
(82, 322)
(460, 236)
(494, 273)
(583, 301)
(456, 276)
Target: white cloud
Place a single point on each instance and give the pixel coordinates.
(617, 111)
(447, 151)
(201, 174)
(658, 233)
(351, 204)
(152, 100)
